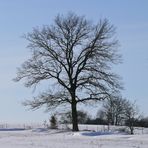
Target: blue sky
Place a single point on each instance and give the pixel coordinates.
(17, 17)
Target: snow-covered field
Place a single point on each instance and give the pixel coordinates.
(42, 138)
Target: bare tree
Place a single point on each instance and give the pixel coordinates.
(119, 111)
(114, 110)
(131, 115)
(77, 55)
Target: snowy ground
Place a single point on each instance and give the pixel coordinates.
(42, 138)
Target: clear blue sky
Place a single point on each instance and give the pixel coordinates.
(20, 16)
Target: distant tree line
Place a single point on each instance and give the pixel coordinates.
(117, 111)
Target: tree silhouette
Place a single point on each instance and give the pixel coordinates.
(77, 55)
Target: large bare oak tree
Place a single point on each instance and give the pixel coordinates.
(77, 55)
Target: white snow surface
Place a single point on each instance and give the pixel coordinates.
(43, 138)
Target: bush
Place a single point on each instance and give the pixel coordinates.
(53, 122)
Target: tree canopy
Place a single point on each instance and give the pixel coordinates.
(78, 56)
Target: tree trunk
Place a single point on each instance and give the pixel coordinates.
(74, 117)
(132, 130)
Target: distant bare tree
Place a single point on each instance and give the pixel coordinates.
(114, 110)
(119, 111)
(131, 115)
(77, 56)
